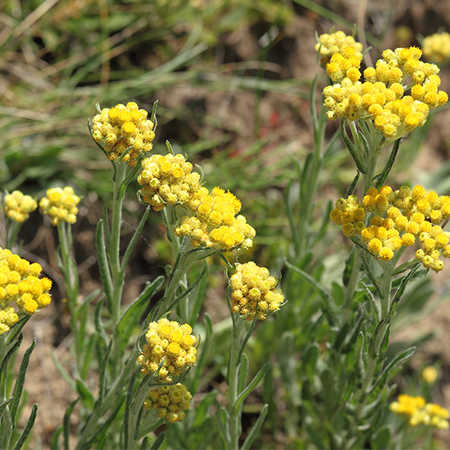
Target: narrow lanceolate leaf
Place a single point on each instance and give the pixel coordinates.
(352, 187)
(352, 149)
(381, 177)
(86, 397)
(255, 431)
(157, 444)
(18, 387)
(311, 280)
(105, 274)
(251, 387)
(243, 370)
(401, 289)
(200, 295)
(198, 370)
(63, 372)
(328, 305)
(134, 239)
(393, 364)
(27, 429)
(66, 423)
(130, 318)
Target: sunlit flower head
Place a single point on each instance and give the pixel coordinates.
(22, 290)
(124, 131)
(19, 206)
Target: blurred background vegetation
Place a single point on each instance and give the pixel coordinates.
(232, 78)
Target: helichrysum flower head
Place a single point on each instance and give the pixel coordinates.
(436, 48)
(349, 214)
(429, 374)
(60, 205)
(253, 292)
(397, 94)
(19, 206)
(215, 222)
(124, 130)
(170, 402)
(170, 347)
(167, 180)
(399, 218)
(339, 53)
(420, 412)
(22, 291)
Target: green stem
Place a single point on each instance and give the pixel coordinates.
(11, 233)
(116, 270)
(311, 184)
(366, 183)
(233, 393)
(71, 281)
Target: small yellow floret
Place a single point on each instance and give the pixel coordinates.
(169, 347)
(60, 205)
(170, 402)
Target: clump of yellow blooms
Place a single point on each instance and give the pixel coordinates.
(170, 347)
(341, 55)
(170, 402)
(429, 374)
(253, 292)
(19, 206)
(167, 179)
(60, 205)
(21, 289)
(350, 214)
(215, 222)
(398, 219)
(436, 47)
(420, 412)
(121, 129)
(397, 94)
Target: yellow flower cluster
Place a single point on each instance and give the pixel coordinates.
(21, 289)
(167, 179)
(215, 221)
(124, 128)
(399, 219)
(436, 47)
(170, 347)
(397, 94)
(19, 206)
(170, 402)
(429, 374)
(420, 412)
(341, 55)
(60, 205)
(253, 291)
(349, 214)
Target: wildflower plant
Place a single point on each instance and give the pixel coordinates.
(138, 371)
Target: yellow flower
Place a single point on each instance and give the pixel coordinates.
(60, 205)
(253, 292)
(19, 206)
(21, 289)
(170, 402)
(170, 349)
(350, 214)
(215, 222)
(429, 374)
(339, 53)
(400, 219)
(418, 412)
(436, 47)
(123, 130)
(167, 179)
(397, 94)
